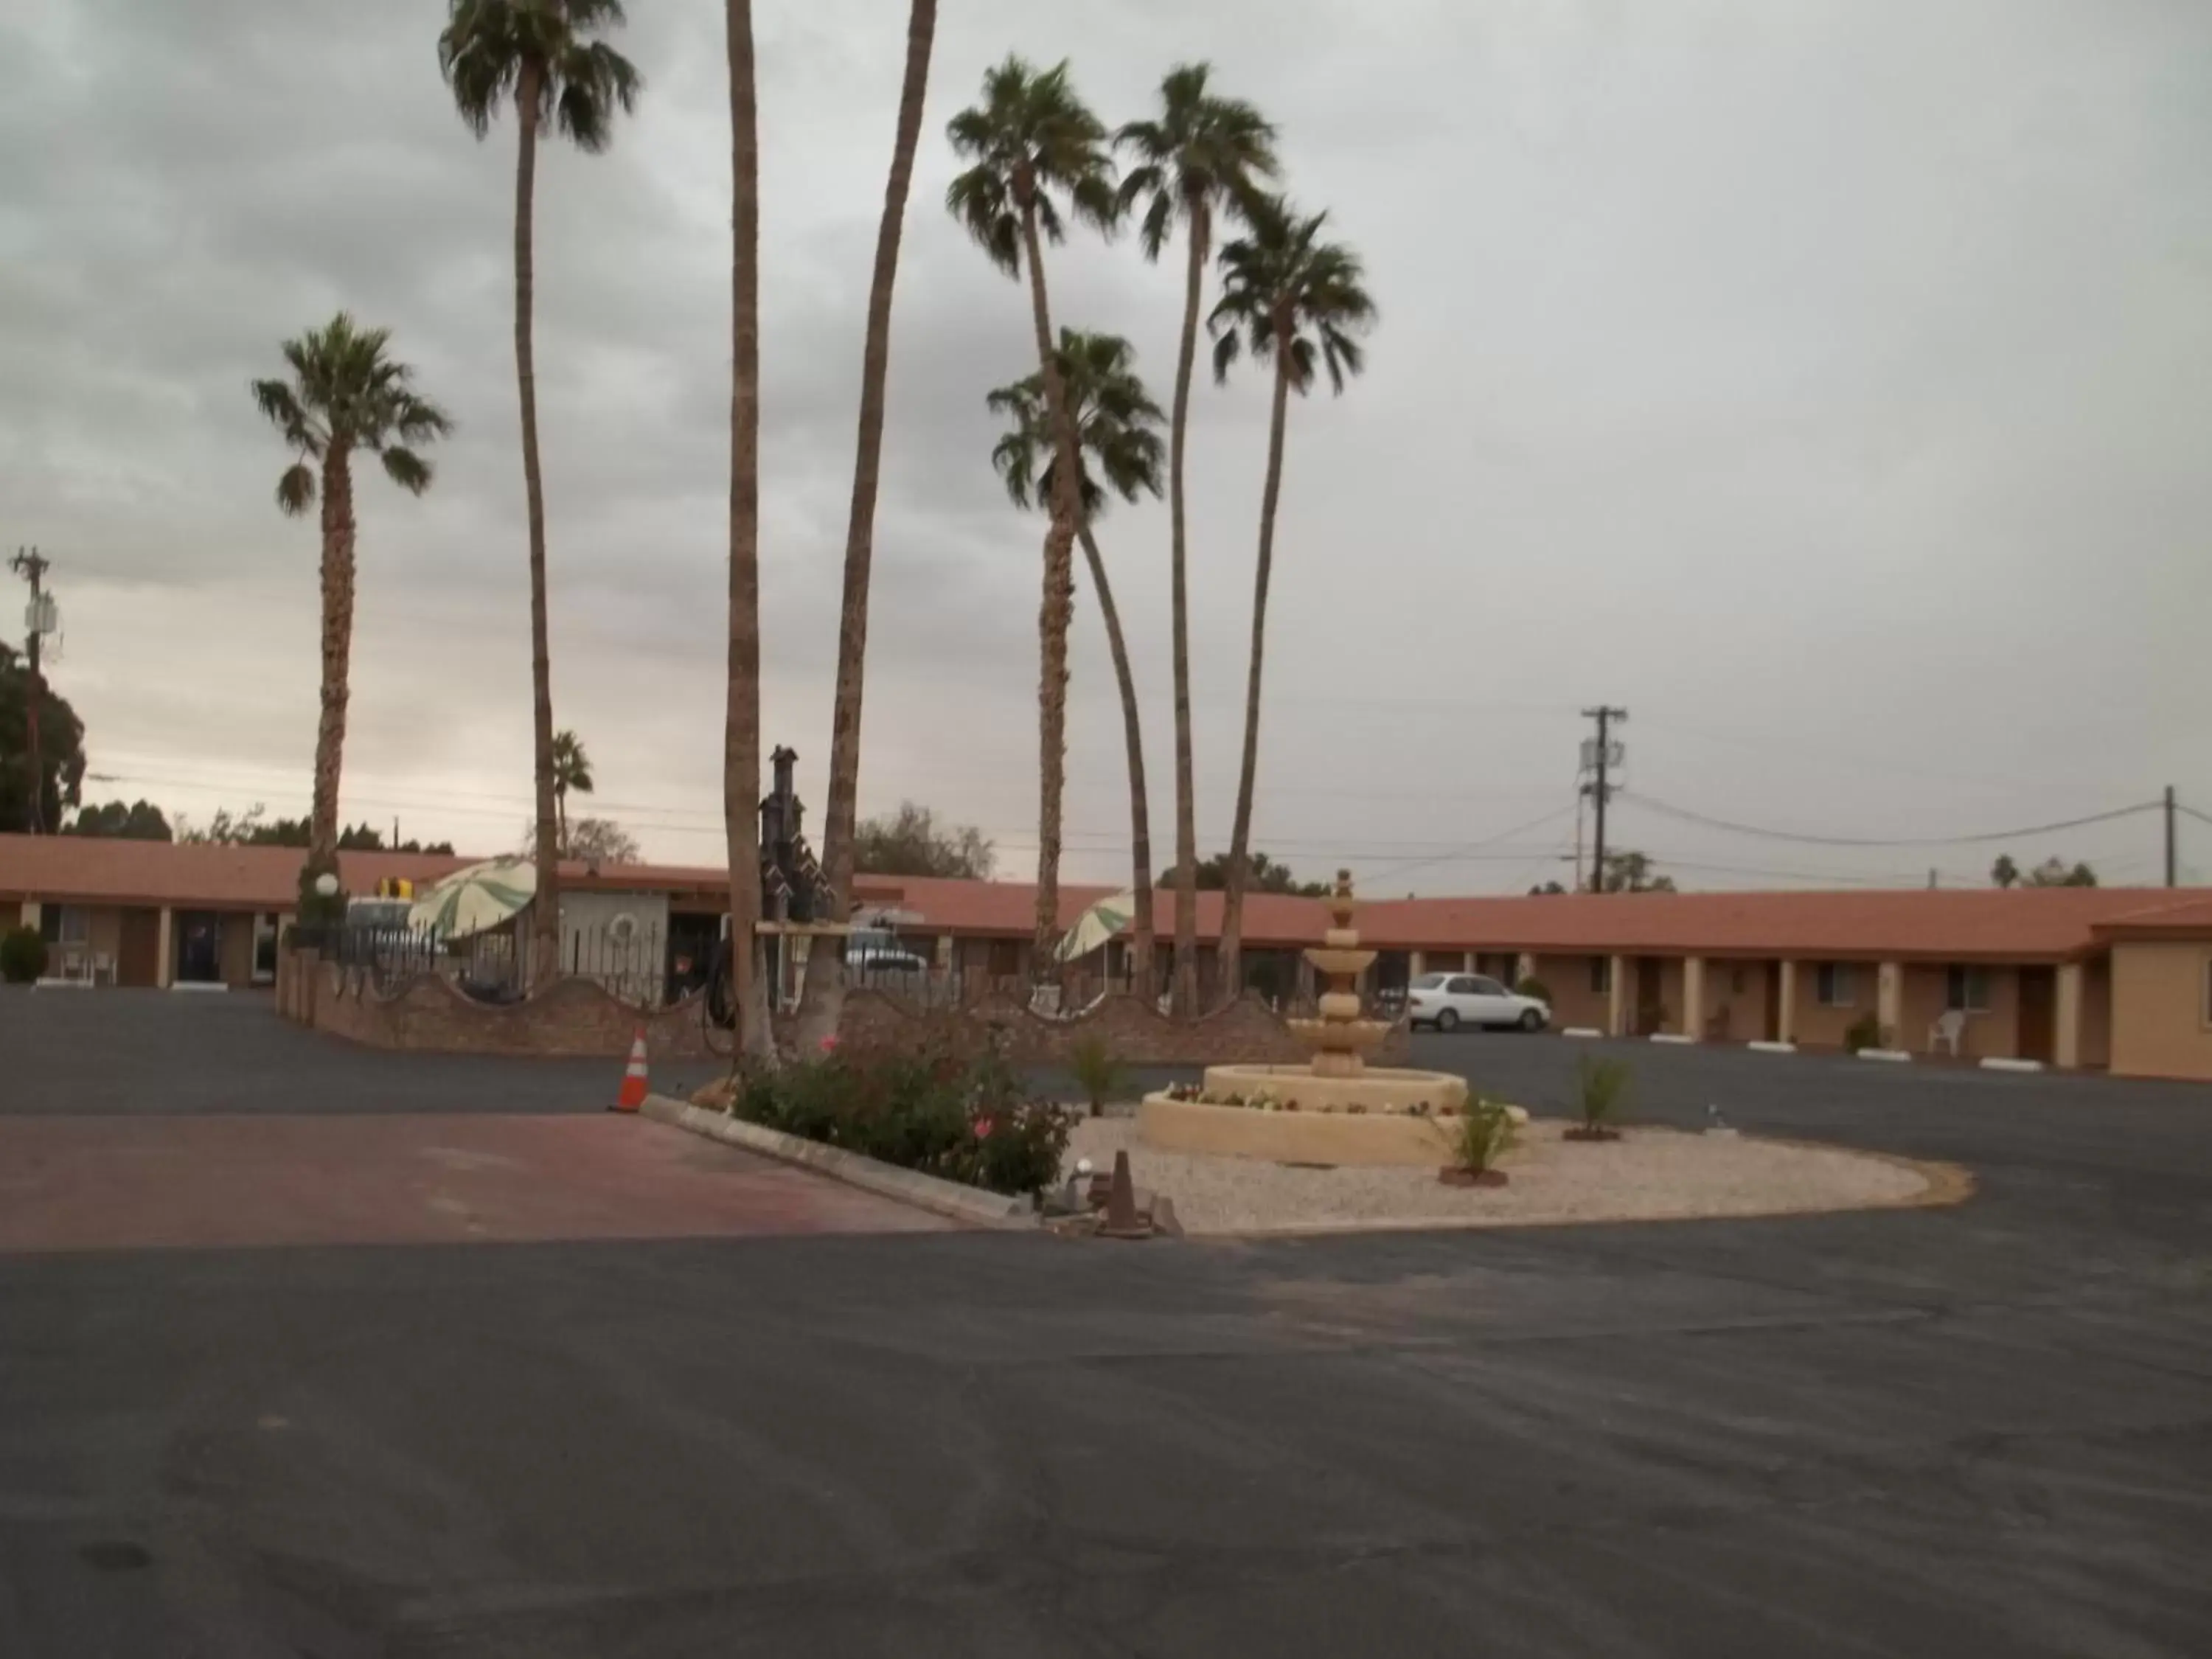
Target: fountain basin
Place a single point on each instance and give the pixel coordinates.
(1324, 1129)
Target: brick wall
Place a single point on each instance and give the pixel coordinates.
(576, 1017)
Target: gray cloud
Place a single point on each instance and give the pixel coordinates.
(1826, 381)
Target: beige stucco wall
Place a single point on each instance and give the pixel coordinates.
(2158, 1010)
(1668, 971)
(1573, 1002)
(1994, 1033)
(1737, 986)
(1820, 1027)
(11, 915)
(2097, 1013)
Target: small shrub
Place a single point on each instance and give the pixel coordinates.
(939, 1112)
(1483, 1136)
(22, 955)
(1864, 1032)
(1529, 985)
(1600, 1086)
(1097, 1073)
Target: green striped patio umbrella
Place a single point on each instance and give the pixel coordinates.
(1096, 925)
(481, 897)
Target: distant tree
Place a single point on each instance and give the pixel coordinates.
(587, 840)
(1631, 872)
(2004, 872)
(912, 843)
(1262, 875)
(572, 769)
(247, 829)
(1544, 888)
(140, 821)
(61, 748)
(2057, 873)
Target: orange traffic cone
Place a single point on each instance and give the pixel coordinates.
(633, 1083)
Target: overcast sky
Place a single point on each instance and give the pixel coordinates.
(1829, 384)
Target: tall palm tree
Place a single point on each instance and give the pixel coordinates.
(1297, 301)
(1031, 140)
(572, 769)
(741, 723)
(538, 55)
(822, 1004)
(1202, 155)
(1116, 424)
(346, 396)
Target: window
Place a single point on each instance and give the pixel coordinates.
(1486, 987)
(1464, 986)
(1966, 989)
(1429, 982)
(1835, 985)
(1601, 975)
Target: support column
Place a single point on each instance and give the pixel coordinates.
(1785, 1017)
(1616, 1009)
(1889, 1003)
(165, 952)
(1466, 962)
(33, 914)
(1524, 967)
(1416, 964)
(1693, 998)
(2066, 1040)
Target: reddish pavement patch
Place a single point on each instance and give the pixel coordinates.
(214, 1182)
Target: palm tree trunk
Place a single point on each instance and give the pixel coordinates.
(1186, 899)
(822, 1005)
(337, 575)
(1141, 812)
(545, 909)
(741, 729)
(561, 817)
(1055, 614)
(1231, 982)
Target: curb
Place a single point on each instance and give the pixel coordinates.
(972, 1205)
(1677, 1038)
(1766, 1048)
(1896, 1056)
(1996, 1064)
(1582, 1031)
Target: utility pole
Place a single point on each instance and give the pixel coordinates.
(2170, 848)
(32, 566)
(1600, 757)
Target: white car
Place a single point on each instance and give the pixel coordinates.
(1449, 1001)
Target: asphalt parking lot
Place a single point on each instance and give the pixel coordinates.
(1980, 1430)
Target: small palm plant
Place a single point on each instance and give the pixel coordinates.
(1484, 1135)
(1599, 1086)
(1097, 1073)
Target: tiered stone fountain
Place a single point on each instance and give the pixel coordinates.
(1335, 1110)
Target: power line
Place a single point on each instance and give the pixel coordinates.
(1801, 839)
(1400, 865)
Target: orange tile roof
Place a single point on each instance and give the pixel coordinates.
(2045, 924)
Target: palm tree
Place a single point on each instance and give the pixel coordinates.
(741, 723)
(1115, 421)
(1031, 140)
(572, 769)
(1293, 297)
(345, 396)
(1202, 154)
(822, 1003)
(538, 55)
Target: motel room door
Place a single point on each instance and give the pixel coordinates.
(2038, 1000)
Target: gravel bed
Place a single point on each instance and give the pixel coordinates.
(1649, 1175)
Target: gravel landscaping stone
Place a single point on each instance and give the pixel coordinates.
(1649, 1175)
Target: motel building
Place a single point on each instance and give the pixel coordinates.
(2112, 979)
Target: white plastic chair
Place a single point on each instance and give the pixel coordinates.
(1949, 1028)
(103, 967)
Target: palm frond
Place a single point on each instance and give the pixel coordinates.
(980, 200)
(295, 489)
(407, 470)
(594, 82)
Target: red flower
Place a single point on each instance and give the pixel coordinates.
(981, 1128)
(830, 1043)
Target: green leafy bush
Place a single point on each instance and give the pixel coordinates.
(22, 955)
(1600, 1086)
(1529, 985)
(1864, 1032)
(1484, 1135)
(1097, 1073)
(941, 1113)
